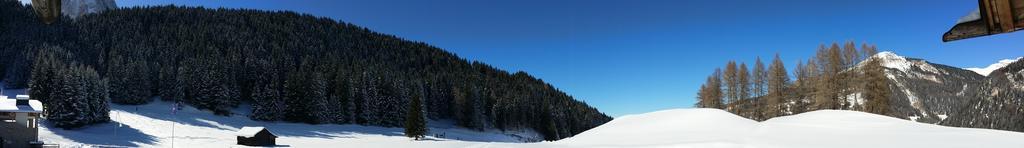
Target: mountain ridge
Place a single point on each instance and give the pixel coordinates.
(935, 93)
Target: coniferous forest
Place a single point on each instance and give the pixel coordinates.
(289, 66)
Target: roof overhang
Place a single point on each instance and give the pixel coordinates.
(992, 17)
(10, 105)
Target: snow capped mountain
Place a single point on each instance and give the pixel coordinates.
(1002, 63)
(924, 91)
(891, 60)
(824, 128)
(76, 8)
(934, 93)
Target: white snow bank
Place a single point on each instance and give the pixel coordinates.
(842, 129)
(988, 70)
(666, 127)
(826, 128)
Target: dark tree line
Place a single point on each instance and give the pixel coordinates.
(830, 80)
(73, 94)
(291, 67)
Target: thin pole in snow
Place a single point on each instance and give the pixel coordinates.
(117, 116)
(174, 114)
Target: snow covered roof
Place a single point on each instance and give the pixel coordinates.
(249, 131)
(972, 16)
(10, 105)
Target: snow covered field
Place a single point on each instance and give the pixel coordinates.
(818, 129)
(153, 125)
(150, 126)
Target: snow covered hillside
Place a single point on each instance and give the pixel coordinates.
(151, 126)
(927, 92)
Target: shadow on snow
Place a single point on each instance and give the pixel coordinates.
(123, 136)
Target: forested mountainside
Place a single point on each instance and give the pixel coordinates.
(998, 104)
(291, 67)
(844, 77)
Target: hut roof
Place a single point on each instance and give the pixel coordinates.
(10, 105)
(249, 131)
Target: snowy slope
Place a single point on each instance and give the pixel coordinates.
(827, 128)
(1002, 63)
(151, 126)
(667, 127)
(837, 129)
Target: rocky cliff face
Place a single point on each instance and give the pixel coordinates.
(77, 8)
(939, 94)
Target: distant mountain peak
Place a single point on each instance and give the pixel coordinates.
(987, 70)
(892, 60)
(77, 8)
(901, 63)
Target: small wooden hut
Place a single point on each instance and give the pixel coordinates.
(256, 136)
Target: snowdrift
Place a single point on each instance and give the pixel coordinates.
(667, 127)
(826, 128)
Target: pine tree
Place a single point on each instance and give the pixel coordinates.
(368, 102)
(731, 84)
(415, 123)
(96, 94)
(850, 55)
(777, 81)
(799, 88)
(877, 91)
(760, 79)
(130, 79)
(868, 50)
(340, 99)
(743, 76)
(826, 93)
(296, 102)
(710, 95)
(267, 103)
(317, 99)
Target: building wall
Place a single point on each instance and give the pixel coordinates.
(17, 135)
(263, 138)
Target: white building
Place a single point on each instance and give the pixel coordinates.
(19, 121)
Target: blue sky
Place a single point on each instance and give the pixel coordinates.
(627, 57)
